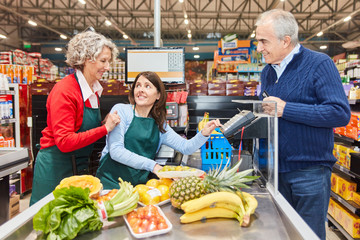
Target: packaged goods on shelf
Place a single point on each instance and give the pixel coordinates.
(5, 57)
(14, 205)
(216, 86)
(356, 198)
(334, 182)
(348, 220)
(343, 154)
(221, 92)
(345, 188)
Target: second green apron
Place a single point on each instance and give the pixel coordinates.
(142, 138)
(52, 165)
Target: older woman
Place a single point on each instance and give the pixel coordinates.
(73, 114)
(131, 148)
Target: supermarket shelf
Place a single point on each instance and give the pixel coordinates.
(7, 92)
(338, 226)
(346, 171)
(350, 205)
(5, 121)
(353, 101)
(343, 138)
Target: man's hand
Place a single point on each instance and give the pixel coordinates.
(269, 108)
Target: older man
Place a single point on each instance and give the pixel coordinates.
(310, 103)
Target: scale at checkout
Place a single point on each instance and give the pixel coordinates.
(168, 156)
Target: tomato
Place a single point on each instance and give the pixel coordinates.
(153, 219)
(133, 221)
(141, 229)
(150, 211)
(131, 215)
(135, 229)
(145, 223)
(152, 227)
(162, 225)
(141, 213)
(160, 219)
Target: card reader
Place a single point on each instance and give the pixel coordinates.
(238, 121)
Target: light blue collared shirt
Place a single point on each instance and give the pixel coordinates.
(279, 69)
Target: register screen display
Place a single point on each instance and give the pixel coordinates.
(168, 63)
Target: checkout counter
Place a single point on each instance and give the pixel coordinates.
(274, 218)
(11, 161)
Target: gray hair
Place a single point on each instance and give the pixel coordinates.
(283, 22)
(87, 46)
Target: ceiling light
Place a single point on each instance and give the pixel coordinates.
(189, 31)
(58, 49)
(195, 48)
(2, 36)
(347, 18)
(82, 1)
(186, 21)
(196, 56)
(63, 36)
(252, 35)
(189, 35)
(323, 47)
(282, 0)
(125, 36)
(31, 22)
(319, 34)
(181, 1)
(107, 22)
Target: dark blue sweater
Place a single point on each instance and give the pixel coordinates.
(315, 104)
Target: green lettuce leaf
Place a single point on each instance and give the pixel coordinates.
(72, 212)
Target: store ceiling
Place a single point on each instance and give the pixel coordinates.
(208, 21)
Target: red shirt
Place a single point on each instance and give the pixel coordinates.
(64, 118)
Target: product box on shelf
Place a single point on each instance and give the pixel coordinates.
(352, 132)
(217, 92)
(345, 188)
(339, 213)
(239, 92)
(340, 130)
(216, 86)
(334, 182)
(331, 208)
(14, 205)
(356, 198)
(351, 223)
(235, 86)
(198, 89)
(42, 88)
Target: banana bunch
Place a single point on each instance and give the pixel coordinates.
(220, 205)
(203, 122)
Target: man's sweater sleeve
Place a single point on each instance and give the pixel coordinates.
(332, 109)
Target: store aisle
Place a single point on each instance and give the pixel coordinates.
(330, 234)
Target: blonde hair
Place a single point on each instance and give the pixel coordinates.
(87, 46)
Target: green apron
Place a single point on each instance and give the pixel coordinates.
(142, 138)
(52, 165)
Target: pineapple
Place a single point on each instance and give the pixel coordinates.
(193, 187)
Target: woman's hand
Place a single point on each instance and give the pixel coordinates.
(210, 127)
(157, 168)
(111, 120)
